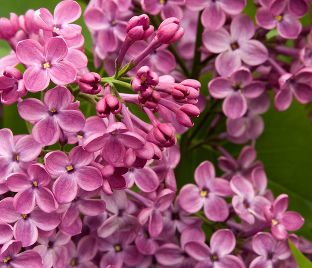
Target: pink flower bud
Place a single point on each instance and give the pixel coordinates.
(180, 93)
(108, 104)
(184, 119)
(138, 27)
(169, 31)
(190, 110)
(149, 98)
(9, 27)
(144, 79)
(164, 135)
(90, 83)
(12, 72)
(194, 88)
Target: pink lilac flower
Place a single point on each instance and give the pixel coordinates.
(16, 153)
(294, 84)
(58, 113)
(9, 27)
(207, 194)
(173, 255)
(72, 171)
(11, 258)
(167, 8)
(222, 243)
(26, 225)
(32, 189)
(6, 232)
(269, 250)
(11, 86)
(118, 250)
(64, 13)
(235, 47)
(247, 205)
(45, 63)
(281, 220)
(236, 90)
(120, 213)
(81, 256)
(52, 249)
(275, 15)
(215, 12)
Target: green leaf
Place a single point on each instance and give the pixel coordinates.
(285, 148)
(302, 261)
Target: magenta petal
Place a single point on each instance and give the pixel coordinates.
(18, 182)
(66, 12)
(146, 179)
(32, 109)
(220, 87)
(26, 232)
(109, 40)
(7, 211)
(253, 52)
(27, 259)
(242, 187)
(261, 262)
(6, 232)
(215, 208)
(58, 98)
(233, 7)
(236, 127)
(80, 157)
(45, 221)
(235, 105)
(292, 220)
(254, 89)
(55, 49)
(65, 189)
(92, 207)
(204, 174)
(303, 93)
(56, 162)
(289, 27)
(279, 231)
(131, 139)
(164, 60)
(227, 62)
(155, 224)
(94, 18)
(27, 148)
(71, 121)
(197, 250)
(62, 73)
(108, 227)
(213, 17)
(30, 52)
(190, 199)
(283, 99)
(36, 79)
(263, 243)
(222, 242)
(24, 202)
(6, 144)
(265, 19)
(38, 173)
(44, 19)
(87, 247)
(89, 178)
(242, 27)
(231, 261)
(216, 41)
(46, 131)
(169, 255)
(77, 58)
(45, 200)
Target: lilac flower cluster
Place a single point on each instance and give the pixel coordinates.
(82, 190)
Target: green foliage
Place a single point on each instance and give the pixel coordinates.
(302, 261)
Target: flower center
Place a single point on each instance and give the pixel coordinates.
(7, 259)
(35, 183)
(16, 157)
(162, 2)
(143, 79)
(214, 257)
(203, 193)
(274, 222)
(46, 65)
(73, 262)
(278, 18)
(24, 216)
(113, 23)
(234, 46)
(117, 248)
(55, 28)
(69, 168)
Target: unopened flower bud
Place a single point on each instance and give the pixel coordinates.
(12, 72)
(169, 31)
(180, 93)
(149, 98)
(108, 104)
(184, 119)
(164, 135)
(138, 27)
(9, 27)
(144, 79)
(190, 110)
(90, 83)
(194, 88)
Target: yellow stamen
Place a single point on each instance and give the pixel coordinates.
(117, 248)
(274, 222)
(46, 65)
(162, 1)
(113, 133)
(24, 216)
(114, 22)
(203, 193)
(73, 262)
(279, 17)
(214, 257)
(69, 168)
(56, 28)
(79, 136)
(143, 79)
(234, 46)
(17, 157)
(35, 183)
(7, 259)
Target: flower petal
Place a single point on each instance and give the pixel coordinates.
(32, 109)
(190, 199)
(213, 17)
(62, 73)
(235, 105)
(216, 209)
(24, 202)
(26, 232)
(36, 79)
(46, 131)
(55, 49)
(216, 41)
(30, 52)
(65, 189)
(66, 12)
(222, 242)
(89, 178)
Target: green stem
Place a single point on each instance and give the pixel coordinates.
(197, 54)
(113, 81)
(89, 98)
